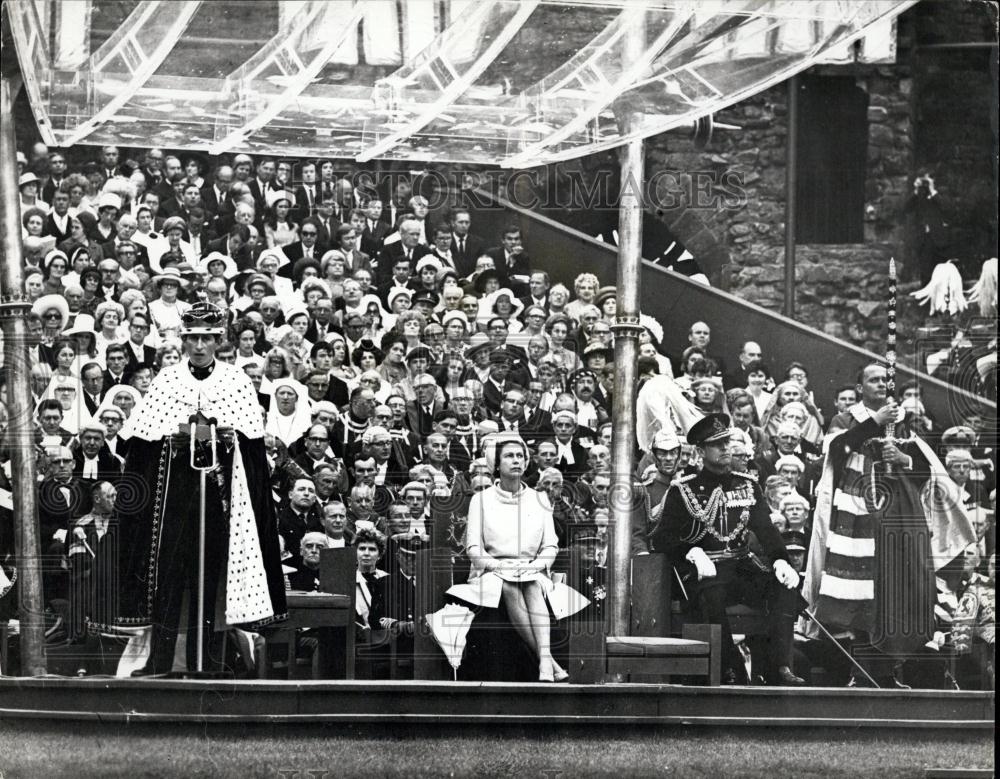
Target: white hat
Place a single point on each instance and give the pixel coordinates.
(47, 302)
(84, 323)
(109, 200)
(230, 264)
(429, 261)
(27, 178)
(666, 440)
(492, 443)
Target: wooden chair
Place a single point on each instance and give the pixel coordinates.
(330, 617)
(650, 653)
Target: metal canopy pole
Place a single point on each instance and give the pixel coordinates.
(626, 331)
(791, 183)
(14, 310)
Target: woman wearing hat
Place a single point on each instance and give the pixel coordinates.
(456, 331)
(108, 317)
(378, 321)
(122, 397)
(53, 310)
(503, 304)
(288, 417)
(607, 302)
(168, 309)
(511, 544)
(29, 186)
(79, 261)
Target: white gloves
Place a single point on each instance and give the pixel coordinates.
(785, 574)
(701, 562)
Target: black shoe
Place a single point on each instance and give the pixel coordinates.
(787, 678)
(729, 677)
(892, 683)
(147, 673)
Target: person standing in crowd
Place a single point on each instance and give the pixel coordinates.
(871, 566)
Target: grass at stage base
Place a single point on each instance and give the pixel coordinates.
(43, 749)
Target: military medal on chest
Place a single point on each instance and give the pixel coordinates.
(711, 515)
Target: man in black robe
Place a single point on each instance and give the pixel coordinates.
(243, 579)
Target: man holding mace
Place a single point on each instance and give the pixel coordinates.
(884, 522)
(200, 415)
(879, 531)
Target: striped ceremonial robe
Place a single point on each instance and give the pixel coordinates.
(870, 568)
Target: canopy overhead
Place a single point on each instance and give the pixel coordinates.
(511, 82)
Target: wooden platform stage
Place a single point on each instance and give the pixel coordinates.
(277, 702)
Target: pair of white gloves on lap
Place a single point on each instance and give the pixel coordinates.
(783, 572)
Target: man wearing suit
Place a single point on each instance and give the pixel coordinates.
(375, 230)
(513, 266)
(61, 499)
(320, 322)
(538, 291)
(306, 193)
(420, 412)
(408, 246)
(313, 453)
(262, 184)
(116, 358)
(57, 172)
(125, 228)
(136, 351)
(298, 516)
(236, 244)
(109, 162)
(465, 247)
(214, 196)
(539, 420)
(152, 168)
(92, 382)
(307, 247)
(501, 363)
(326, 218)
(57, 222)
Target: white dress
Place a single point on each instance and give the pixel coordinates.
(512, 526)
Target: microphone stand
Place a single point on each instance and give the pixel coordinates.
(201, 428)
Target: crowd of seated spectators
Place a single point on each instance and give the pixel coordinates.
(384, 343)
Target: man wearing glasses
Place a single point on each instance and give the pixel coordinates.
(307, 247)
(135, 347)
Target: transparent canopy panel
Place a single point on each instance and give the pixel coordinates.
(511, 82)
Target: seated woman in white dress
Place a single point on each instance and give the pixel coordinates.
(511, 543)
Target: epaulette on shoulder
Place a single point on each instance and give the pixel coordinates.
(682, 479)
(648, 476)
(744, 475)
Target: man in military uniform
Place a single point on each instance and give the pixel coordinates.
(651, 492)
(707, 519)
